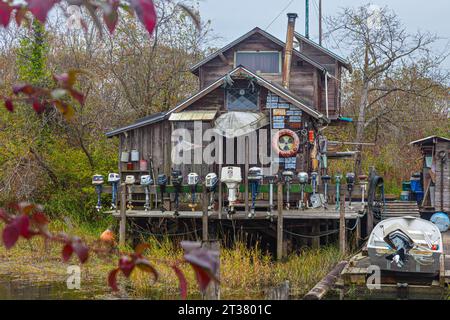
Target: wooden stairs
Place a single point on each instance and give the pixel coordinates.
(395, 209)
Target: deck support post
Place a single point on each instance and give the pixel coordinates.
(316, 231)
(205, 213)
(280, 221)
(247, 156)
(342, 235)
(213, 289)
(358, 231)
(123, 215)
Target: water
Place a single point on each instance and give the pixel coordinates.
(17, 289)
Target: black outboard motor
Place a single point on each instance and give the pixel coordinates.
(350, 177)
(177, 180)
(402, 243)
(211, 182)
(254, 178)
(162, 183)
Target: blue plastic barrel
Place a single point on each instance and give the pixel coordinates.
(441, 220)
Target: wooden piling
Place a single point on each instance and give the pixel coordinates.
(213, 289)
(342, 235)
(316, 231)
(123, 216)
(205, 213)
(358, 232)
(247, 156)
(280, 221)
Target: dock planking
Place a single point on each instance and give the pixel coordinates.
(321, 214)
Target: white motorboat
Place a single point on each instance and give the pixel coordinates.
(406, 244)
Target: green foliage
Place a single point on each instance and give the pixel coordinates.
(32, 56)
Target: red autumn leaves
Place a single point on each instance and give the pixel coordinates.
(28, 220)
(42, 98)
(204, 262)
(144, 9)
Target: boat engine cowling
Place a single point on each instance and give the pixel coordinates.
(402, 243)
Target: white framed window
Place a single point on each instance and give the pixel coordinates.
(268, 62)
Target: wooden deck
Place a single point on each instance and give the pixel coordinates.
(309, 214)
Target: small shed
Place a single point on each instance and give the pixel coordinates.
(436, 172)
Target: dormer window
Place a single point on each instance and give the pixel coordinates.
(268, 62)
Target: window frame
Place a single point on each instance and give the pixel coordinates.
(280, 69)
(258, 102)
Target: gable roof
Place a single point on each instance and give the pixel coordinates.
(274, 87)
(326, 51)
(255, 30)
(429, 140)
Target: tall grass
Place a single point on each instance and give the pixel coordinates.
(245, 273)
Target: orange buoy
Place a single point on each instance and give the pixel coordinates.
(286, 143)
(107, 236)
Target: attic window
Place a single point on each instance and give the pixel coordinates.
(242, 98)
(261, 61)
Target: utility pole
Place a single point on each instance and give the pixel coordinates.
(320, 22)
(307, 19)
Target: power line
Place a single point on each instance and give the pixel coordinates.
(287, 6)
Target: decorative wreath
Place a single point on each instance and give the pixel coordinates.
(286, 143)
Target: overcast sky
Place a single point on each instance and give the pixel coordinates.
(232, 18)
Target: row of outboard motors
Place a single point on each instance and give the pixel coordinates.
(231, 177)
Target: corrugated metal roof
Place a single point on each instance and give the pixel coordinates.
(193, 115)
(429, 139)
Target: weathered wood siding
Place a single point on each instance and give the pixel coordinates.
(152, 141)
(301, 82)
(442, 146)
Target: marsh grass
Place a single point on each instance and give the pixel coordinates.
(246, 273)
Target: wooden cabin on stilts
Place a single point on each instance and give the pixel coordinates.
(262, 103)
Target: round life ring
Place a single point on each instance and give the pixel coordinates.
(286, 143)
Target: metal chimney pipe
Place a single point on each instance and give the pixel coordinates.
(288, 49)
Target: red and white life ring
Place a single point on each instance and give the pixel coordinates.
(285, 143)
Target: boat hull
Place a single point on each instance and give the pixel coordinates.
(423, 258)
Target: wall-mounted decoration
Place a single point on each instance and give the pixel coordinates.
(278, 125)
(295, 119)
(291, 112)
(279, 112)
(278, 118)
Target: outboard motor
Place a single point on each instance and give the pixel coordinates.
(402, 243)
(254, 178)
(97, 181)
(363, 182)
(316, 201)
(211, 182)
(303, 180)
(326, 180)
(177, 181)
(232, 177)
(162, 183)
(129, 181)
(337, 179)
(114, 179)
(146, 181)
(193, 180)
(271, 180)
(350, 177)
(287, 177)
